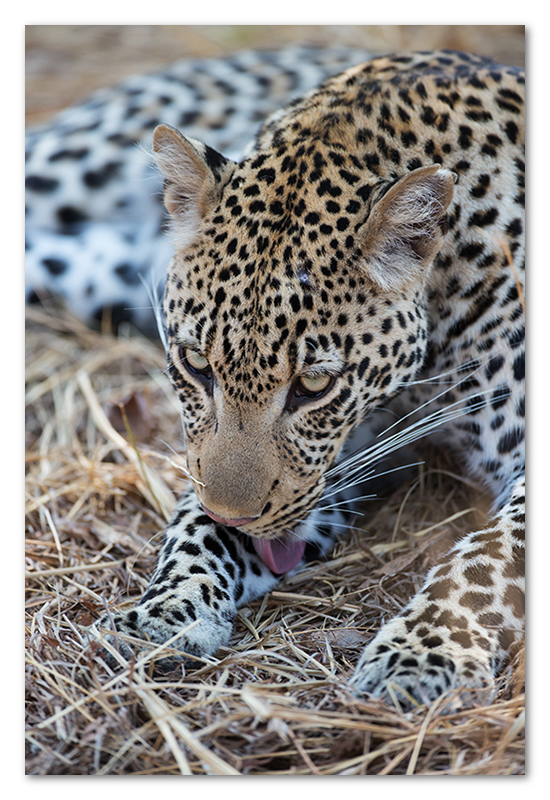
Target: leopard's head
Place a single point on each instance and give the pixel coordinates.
(294, 305)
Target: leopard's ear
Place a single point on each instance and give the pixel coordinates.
(195, 175)
(406, 227)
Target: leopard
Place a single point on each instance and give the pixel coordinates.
(367, 253)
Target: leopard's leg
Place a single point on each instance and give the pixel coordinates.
(457, 630)
(204, 572)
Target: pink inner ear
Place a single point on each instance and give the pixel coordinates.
(280, 555)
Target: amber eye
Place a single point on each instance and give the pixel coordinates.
(308, 387)
(195, 361)
(196, 364)
(314, 385)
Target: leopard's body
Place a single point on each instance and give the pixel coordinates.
(368, 250)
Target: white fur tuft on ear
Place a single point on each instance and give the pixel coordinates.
(405, 229)
(195, 175)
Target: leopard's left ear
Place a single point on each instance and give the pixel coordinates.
(405, 228)
(195, 175)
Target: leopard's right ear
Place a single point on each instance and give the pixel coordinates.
(195, 175)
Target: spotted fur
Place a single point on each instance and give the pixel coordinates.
(370, 245)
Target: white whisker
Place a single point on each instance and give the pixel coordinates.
(432, 400)
(350, 510)
(343, 502)
(343, 525)
(411, 433)
(453, 371)
(179, 467)
(364, 478)
(156, 306)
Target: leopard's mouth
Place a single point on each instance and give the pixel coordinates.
(280, 555)
(231, 523)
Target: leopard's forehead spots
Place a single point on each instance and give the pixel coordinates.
(276, 264)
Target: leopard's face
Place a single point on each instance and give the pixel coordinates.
(282, 335)
(273, 371)
(285, 324)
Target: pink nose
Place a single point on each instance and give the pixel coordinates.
(231, 523)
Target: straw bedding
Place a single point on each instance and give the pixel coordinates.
(103, 470)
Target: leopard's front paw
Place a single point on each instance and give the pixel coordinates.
(401, 669)
(188, 635)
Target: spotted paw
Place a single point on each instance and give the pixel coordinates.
(398, 670)
(197, 637)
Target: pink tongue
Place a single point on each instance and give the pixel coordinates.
(280, 555)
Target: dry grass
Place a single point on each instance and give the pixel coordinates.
(275, 701)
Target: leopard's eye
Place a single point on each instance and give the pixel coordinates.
(309, 387)
(196, 364)
(196, 361)
(314, 385)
